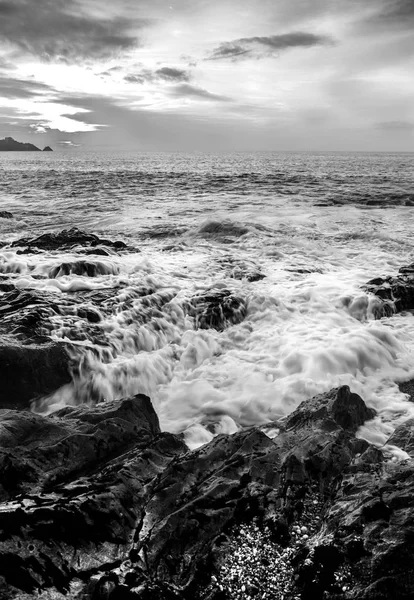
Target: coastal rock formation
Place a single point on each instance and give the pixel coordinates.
(30, 370)
(68, 239)
(396, 292)
(216, 309)
(84, 268)
(47, 149)
(9, 144)
(98, 502)
(5, 214)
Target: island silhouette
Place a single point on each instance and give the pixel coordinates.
(8, 144)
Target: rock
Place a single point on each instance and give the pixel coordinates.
(403, 437)
(38, 452)
(89, 474)
(339, 407)
(396, 291)
(222, 229)
(216, 309)
(30, 370)
(5, 214)
(47, 149)
(66, 240)
(9, 144)
(84, 268)
(239, 269)
(99, 500)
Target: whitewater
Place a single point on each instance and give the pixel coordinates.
(295, 235)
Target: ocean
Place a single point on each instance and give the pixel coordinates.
(294, 236)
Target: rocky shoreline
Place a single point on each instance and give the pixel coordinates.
(96, 502)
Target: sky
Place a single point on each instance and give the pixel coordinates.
(208, 75)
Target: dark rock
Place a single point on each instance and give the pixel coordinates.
(5, 214)
(9, 144)
(407, 387)
(217, 309)
(396, 292)
(38, 452)
(403, 437)
(31, 370)
(339, 407)
(83, 267)
(220, 229)
(47, 149)
(66, 240)
(100, 497)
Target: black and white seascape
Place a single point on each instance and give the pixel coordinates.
(206, 300)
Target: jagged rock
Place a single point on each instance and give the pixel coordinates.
(403, 437)
(217, 309)
(396, 292)
(101, 496)
(5, 214)
(66, 240)
(40, 452)
(100, 501)
(91, 470)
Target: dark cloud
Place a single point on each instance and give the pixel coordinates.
(267, 45)
(22, 88)
(63, 30)
(172, 74)
(167, 74)
(397, 11)
(185, 90)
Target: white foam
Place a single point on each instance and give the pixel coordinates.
(305, 332)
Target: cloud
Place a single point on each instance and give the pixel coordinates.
(68, 144)
(63, 30)
(400, 126)
(258, 46)
(397, 12)
(167, 74)
(13, 88)
(185, 90)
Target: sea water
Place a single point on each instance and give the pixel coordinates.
(317, 226)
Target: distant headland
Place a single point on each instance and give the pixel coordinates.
(10, 145)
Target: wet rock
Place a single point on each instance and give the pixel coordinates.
(403, 437)
(217, 309)
(222, 229)
(66, 240)
(100, 498)
(30, 370)
(239, 269)
(68, 529)
(394, 291)
(26, 314)
(37, 452)
(5, 214)
(84, 268)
